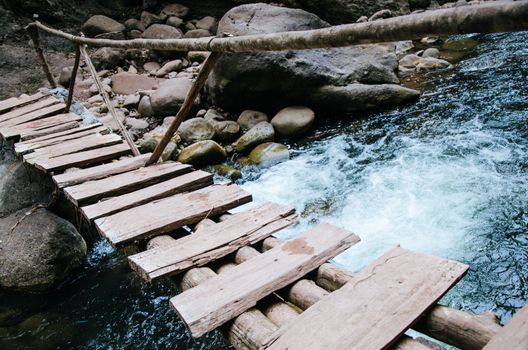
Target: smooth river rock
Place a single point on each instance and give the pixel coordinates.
(297, 77)
(249, 119)
(293, 121)
(40, 252)
(269, 154)
(260, 133)
(168, 98)
(202, 153)
(128, 83)
(99, 24)
(196, 129)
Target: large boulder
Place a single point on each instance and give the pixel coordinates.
(108, 58)
(21, 187)
(249, 119)
(100, 24)
(196, 129)
(125, 83)
(39, 250)
(270, 80)
(202, 153)
(269, 154)
(168, 99)
(260, 133)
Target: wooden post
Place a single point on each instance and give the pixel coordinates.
(72, 79)
(186, 106)
(107, 101)
(33, 33)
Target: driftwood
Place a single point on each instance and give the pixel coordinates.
(490, 17)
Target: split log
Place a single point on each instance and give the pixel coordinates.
(490, 17)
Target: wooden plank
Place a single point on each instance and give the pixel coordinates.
(64, 133)
(72, 146)
(168, 214)
(101, 171)
(223, 297)
(513, 336)
(31, 134)
(213, 242)
(184, 183)
(40, 124)
(35, 115)
(27, 109)
(49, 140)
(124, 183)
(376, 307)
(84, 158)
(15, 102)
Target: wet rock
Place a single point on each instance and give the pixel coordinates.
(293, 121)
(225, 170)
(431, 52)
(168, 98)
(260, 133)
(176, 10)
(301, 73)
(202, 153)
(249, 119)
(196, 129)
(128, 83)
(65, 76)
(174, 21)
(148, 145)
(269, 154)
(431, 40)
(108, 58)
(40, 252)
(162, 31)
(197, 33)
(22, 187)
(99, 24)
(170, 152)
(168, 67)
(208, 23)
(430, 63)
(145, 108)
(227, 130)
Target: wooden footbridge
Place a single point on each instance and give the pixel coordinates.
(262, 292)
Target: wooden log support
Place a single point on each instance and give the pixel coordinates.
(33, 33)
(489, 17)
(73, 78)
(107, 101)
(186, 106)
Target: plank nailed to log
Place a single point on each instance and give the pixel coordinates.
(489, 17)
(219, 299)
(376, 307)
(514, 336)
(168, 214)
(213, 242)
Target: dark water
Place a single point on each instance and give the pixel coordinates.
(446, 175)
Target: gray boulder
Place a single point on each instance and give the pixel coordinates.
(260, 133)
(40, 252)
(270, 80)
(162, 31)
(168, 98)
(99, 24)
(196, 129)
(269, 154)
(248, 119)
(197, 33)
(176, 10)
(202, 153)
(293, 121)
(108, 58)
(227, 130)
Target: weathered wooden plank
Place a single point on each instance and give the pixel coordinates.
(40, 124)
(101, 171)
(513, 336)
(35, 115)
(213, 242)
(31, 134)
(50, 140)
(167, 214)
(84, 158)
(183, 183)
(125, 182)
(229, 294)
(27, 109)
(376, 307)
(72, 146)
(15, 102)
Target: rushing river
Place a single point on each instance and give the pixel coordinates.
(447, 175)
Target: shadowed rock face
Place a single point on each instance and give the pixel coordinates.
(323, 79)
